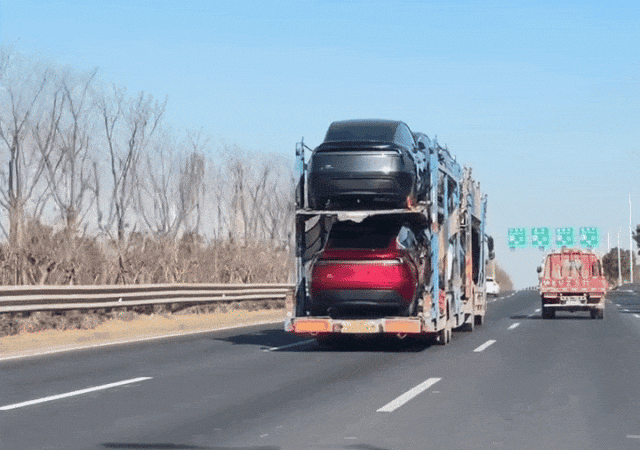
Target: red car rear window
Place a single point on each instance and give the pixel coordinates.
(369, 234)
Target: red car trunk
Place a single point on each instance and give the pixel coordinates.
(357, 269)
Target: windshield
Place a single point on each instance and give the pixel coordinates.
(369, 234)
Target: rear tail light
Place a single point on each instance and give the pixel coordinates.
(410, 202)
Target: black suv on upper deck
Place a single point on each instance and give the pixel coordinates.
(367, 164)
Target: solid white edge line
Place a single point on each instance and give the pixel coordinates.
(514, 325)
(74, 393)
(131, 341)
(411, 393)
(273, 349)
(485, 345)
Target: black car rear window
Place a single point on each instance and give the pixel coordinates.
(365, 235)
(375, 132)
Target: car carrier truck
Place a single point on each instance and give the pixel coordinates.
(416, 269)
(572, 280)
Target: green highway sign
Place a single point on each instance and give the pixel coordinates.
(564, 237)
(540, 237)
(589, 237)
(517, 237)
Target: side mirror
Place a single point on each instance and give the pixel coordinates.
(490, 243)
(539, 269)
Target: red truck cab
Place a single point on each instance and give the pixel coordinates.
(572, 280)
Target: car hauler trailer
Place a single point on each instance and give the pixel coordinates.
(451, 223)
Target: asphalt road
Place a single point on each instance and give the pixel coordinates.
(517, 382)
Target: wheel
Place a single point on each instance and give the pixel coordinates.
(548, 313)
(441, 338)
(469, 323)
(593, 313)
(479, 319)
(444, 335)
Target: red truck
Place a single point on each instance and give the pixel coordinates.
(572, 280)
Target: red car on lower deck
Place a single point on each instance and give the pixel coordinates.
(374, 268)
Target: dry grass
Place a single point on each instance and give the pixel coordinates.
(141, 327)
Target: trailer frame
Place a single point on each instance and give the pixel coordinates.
(453, 217)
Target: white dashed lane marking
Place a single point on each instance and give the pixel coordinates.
(484, 346)
(514, 326)
(71, 394)
(404, 398)
(274, 349)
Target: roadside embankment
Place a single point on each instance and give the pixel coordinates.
(138, 328)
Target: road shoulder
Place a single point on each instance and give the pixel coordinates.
(115, 332)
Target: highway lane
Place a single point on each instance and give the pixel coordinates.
(515, 382)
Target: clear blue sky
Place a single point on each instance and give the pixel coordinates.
(541, 99)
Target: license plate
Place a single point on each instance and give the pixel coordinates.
(575, 300)
(360, 326)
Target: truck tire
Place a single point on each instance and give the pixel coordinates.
(444, 335)
(479, 319)
(469, 323)
(597, 313)
(548, 313)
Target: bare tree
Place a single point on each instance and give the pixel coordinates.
(192, 185)
(129, 125)
(217, 188)
(259, 196)
(236, 168)
(51, 128)
(66, 150)
(172, 189)
(276, 210)
(157, 193)
(22, 88)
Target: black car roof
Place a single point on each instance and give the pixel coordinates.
(376, 130)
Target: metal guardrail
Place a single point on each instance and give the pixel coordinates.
(46, 298)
